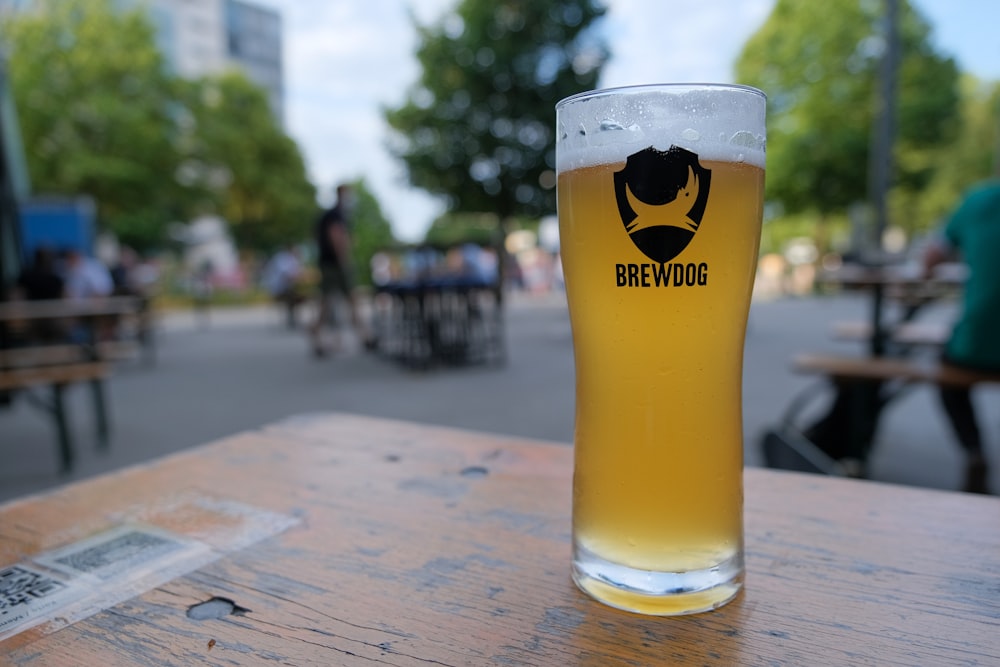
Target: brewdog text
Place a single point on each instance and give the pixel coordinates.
(661, 275)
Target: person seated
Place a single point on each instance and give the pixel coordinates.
(282, 278)
(40, 280)
(972, 233)
(86, 277)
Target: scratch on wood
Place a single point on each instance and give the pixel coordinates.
(438, 572)
(437, 487)
(560, 620)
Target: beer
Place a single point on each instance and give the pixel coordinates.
(658, 296)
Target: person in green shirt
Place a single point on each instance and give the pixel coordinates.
(973, 233)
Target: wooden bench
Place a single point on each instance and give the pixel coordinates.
(839, 445)
(890, 368)
(58, 376)
(44, 355)
(132, 316)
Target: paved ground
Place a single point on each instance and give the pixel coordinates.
(244, 370)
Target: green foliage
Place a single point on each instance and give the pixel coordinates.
(100, 115)
(971, 158)
(778, 233)
(371, 230)
(242, 164)
(478, 125)
(454, 228)
(818, 64)
(94, 111)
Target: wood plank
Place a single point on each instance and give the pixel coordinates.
(17, 378)
(44, 355)
(425, 545)
(70, 308)
(891, 368)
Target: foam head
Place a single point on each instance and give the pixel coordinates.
(717, 122)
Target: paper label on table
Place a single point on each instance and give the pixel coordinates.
(78, 580)
(126, 550)
(28, 596)
(70, 583)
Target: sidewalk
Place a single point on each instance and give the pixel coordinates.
(245, 369)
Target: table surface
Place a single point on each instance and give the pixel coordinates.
(347, 540)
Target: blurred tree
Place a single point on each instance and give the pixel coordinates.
(94, 105)
(370, 229)
(454, 228)
(973, 156)
(478, 127)
(818, 64)
(242, 163)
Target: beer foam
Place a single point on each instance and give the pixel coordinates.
(724, 123)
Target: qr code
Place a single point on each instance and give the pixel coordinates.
(126, 550)
(20, 586)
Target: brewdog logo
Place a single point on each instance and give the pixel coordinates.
(661, 198)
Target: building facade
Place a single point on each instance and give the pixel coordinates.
(254, 44)
(204, 37)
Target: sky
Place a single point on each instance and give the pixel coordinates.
(346, 60)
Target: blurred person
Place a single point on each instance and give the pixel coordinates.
(421, 263)
(86, 277)
(41, 280)
(121, 272)
(202, 288)
(333, 245)
(478, 264)
(381, 268)
(281, 278)
(144, 276)
(972, 233)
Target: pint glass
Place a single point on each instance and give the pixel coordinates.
(660, 199)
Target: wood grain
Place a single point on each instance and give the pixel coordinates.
(421, 545)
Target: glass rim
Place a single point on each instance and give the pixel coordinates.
(652, 87)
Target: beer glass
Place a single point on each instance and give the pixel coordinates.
(660, 194)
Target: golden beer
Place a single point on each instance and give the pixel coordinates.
(657, 487)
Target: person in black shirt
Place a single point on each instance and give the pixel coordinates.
(41, 280)
(333, 245)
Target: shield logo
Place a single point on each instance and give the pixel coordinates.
(661, 198)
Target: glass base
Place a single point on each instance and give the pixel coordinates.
(657, 593)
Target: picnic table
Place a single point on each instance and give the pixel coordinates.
(900, 352)
(348, 540)
(78, 354)
(451, 320)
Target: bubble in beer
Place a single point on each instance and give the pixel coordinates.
(747, 140)
(608, 124)
(691, 134)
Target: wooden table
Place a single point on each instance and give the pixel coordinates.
(345, 540)
(909, 288)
